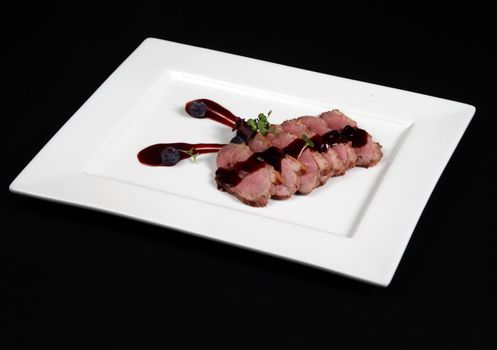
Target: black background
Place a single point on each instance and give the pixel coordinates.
(79, 277)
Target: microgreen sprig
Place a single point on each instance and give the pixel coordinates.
(260, 123)
(308, 143)
(191, 153)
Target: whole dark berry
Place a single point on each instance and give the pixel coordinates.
(170, 156)
(197, 109)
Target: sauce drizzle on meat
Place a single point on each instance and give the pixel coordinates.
(273, 155)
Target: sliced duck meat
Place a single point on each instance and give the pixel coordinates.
(367, 155)
(370, 154)
(299, 130)
(253, 183)
(291, 169)
(310, 179)
(315, 125)
(336, 120)
(296, 156)
(259, 143)
(338, 155)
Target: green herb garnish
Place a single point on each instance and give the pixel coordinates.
(191, 153)
(308, 143)
(252, 125)
(260, 123)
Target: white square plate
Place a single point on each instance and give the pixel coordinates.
(357, 225)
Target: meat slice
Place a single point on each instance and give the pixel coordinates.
(291, 169)
(367, 155)
(337, 163)
(259, 143)
(279, 137)
(294, 127)
(346, 154)
(370, 154)
(337, 156)
(310, 179)
(336, 120)
(232, 154)
(255, 188)
(315, 125)
(298, 129)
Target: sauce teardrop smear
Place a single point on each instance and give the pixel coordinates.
(205, 108)
(151, 155)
